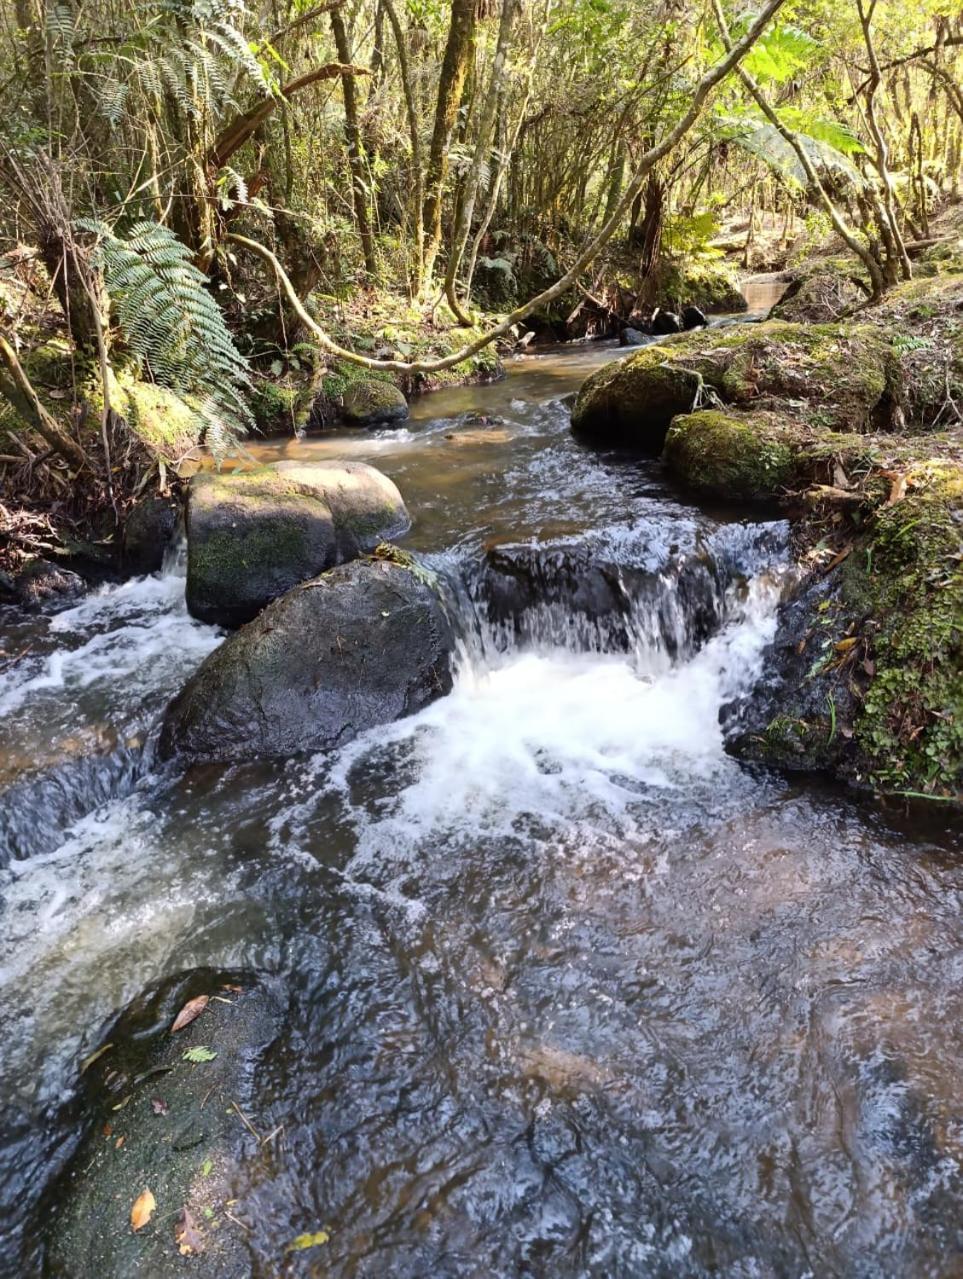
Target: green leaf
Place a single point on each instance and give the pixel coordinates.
(207, 1167)
(200, 1053)
(308, 1241)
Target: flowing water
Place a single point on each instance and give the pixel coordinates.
(570, 992)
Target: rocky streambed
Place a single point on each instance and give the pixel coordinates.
(535, 979)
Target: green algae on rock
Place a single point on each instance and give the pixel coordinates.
(372, 402)
(746, 457)
(252, 535)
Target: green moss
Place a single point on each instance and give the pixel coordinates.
(159, 418)
(908, 583)
(370, 399)
(633, 401)
(734, 458)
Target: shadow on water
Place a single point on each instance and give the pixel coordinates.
(570, 991)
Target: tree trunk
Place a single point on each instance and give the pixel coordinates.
(483, 144)
(417, 164)
(355, 151)
(454, 69)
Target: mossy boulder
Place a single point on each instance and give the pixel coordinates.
(371, 402)
(819, 297)
(865, 676)
(361, 645)
(631, 402)
(843, 377)
(252, 535)
(746, 457)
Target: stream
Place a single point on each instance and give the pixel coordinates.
(570, 991)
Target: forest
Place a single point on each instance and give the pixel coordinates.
(481, 638)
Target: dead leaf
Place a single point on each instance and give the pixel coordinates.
(186, 1235)
(190, 1012)
(897, 490)
(119, 1142)
(143, 1210)
(107, 1130)
(158, 1105)
(89, 1061)
(840, 478)
(838, 557)
(844, 645)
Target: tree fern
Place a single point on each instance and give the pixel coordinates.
(173, 326)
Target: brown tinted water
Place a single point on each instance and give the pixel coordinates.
(570, 991)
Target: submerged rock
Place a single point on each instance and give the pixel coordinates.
(41, 586)
(372, 402)
(252, 535)
(149, 531)
(161, 1123)
(363, 644)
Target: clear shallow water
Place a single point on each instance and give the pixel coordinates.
(571, 992)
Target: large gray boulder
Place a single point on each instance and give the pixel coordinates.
(363, 644)
(253, 535)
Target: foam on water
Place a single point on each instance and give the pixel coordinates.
(135, 632)
(548, 735)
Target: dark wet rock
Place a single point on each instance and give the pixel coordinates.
(694, 318)
(665, 322)
(45, 587)
(363, 644)
(253, 535)
(586, 596)
(796, 717)
(631, 337)
(155, 1121)
(149, 531)
(864, 678)
(371, 402)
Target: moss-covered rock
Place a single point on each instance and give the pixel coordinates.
(744, 457)
(252, 535)
(865, 676)
(632, 402)
(821, 296)
(369, 402)
(843, 377)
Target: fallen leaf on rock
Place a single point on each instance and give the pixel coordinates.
(190, 1012)
(119, 1142)
(143, 1210)
(844, 645)
(158, 1105)
(186, 1235)
(308, 1241)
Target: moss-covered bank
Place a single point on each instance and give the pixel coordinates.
(855, 428)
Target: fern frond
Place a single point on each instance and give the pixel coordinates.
(173, 326)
